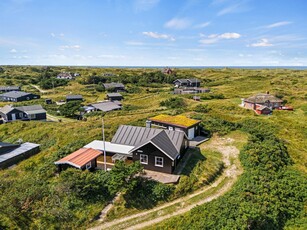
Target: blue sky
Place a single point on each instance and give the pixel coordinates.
(154, 32)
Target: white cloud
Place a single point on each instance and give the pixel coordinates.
(60, 36)
(203, 25)
(73, 47)
(178, 23)
(236, 7)
(144, 5)
(230, 36)
(13, 51)
(229, 10)
(278, 24)
(213, 38)
(262, 43)
(158, 36)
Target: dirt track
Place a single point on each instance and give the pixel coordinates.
(232, 171)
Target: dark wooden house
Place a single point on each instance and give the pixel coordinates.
(157, 149)
(66, 76)
(187, 82)
(9, 113)
(114, 87)
(11, 154)
(105, 106)
(178, 123)
(74, 98)
(114, 97)
(16, 96)
(4, 89)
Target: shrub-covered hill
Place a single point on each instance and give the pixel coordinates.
(33, 195)
(269, 195)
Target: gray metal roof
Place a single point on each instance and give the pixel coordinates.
(18, 151)
(262, 98)
(106, 106)
(6, 109)
(176, 137)
(10, 88)
(114, 95)
(15, 94)
(30, 109)
(74, 96)
(162, 141)
(5, 144)
(166, 140)
(182, 80)
(133, 135)
(113, 85)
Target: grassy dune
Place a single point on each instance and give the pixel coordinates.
(55, 137)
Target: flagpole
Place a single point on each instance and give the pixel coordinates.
(104, 147)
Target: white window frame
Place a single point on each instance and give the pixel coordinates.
(159, 165)
(88, 165)
(146, 156)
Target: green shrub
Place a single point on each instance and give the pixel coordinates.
(202, 108)
(70, 108)
(267, 195)
(173, 103)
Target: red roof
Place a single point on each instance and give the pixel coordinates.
(80, 157)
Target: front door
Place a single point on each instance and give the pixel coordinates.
(13, 116)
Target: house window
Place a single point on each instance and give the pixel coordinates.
(139, 151)
(31, 116)
(20, 115)
(144, 159)
(88, 165)
(159, 161)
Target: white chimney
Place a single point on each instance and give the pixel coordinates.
(148, 124)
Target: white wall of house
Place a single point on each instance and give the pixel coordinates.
(191, 133)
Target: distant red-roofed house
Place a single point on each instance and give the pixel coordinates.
(262, 109)
(264, 99)
(167, 70)
(84, 158)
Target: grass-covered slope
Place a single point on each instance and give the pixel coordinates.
(32, 195)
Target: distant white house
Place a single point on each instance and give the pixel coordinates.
(65, 75)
